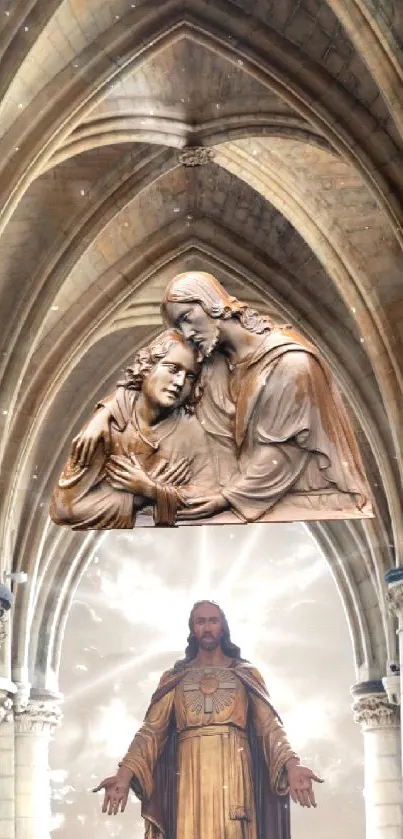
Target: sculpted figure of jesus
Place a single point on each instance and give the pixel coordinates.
(277, 428)
(270, 439)
(211, 760)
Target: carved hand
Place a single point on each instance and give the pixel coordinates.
(85, 443)
(177, 474)
(116, 791)
(203, 507)
(300, 780)
(126, 474)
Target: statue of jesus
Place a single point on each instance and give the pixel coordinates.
(211, 759)
(275, 421)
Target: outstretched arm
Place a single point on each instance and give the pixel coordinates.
(137, 767)
(286, 772)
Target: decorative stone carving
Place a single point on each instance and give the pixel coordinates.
(6, 601)
(394, 599)
(7, 689)
(21, 697)
(38, 717)
(375, 711)
(392, 686)
(196, 156)
(199, 431)
(6, 707)
(3, 628)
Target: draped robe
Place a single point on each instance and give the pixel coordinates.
(84, 499)
(209, 760)
(279, 435)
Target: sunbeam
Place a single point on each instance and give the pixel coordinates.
(238, 566)
(132, 608)
(109, 675)
(202, 584)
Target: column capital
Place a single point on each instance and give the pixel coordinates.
(38, 714)
(371, 707)
(394, 595)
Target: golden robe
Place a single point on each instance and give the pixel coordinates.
(209, 708)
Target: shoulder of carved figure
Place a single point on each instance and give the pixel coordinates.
(166, 677)
(253, 672)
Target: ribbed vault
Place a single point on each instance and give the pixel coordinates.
(299, 212)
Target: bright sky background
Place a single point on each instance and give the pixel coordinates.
(128, 623)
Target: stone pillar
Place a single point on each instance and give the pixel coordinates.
(394, 597)
(6, 759)
(380, 725)
(7, 691)
(35, 719)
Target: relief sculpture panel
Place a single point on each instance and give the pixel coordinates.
(225, 417)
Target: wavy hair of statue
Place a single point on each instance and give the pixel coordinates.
(228, 647)
(148, 356)
(204, 289)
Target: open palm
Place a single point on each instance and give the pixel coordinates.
(116, 794)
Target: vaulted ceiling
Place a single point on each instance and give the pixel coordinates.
(297, 208)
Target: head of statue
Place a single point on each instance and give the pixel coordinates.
(166, 372)
(208, 629)
(196, 303)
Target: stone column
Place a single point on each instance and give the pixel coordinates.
(6, 759)
(380, 725)
(394, 580)
(35, 719)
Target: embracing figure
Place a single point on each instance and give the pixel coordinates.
(142, 448)
(267, 437)
(277, 428)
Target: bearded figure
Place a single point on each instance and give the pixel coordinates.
(276, 424)
(211, 759)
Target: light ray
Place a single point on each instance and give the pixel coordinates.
(163, 646)
(228, 583)
(202, 584)
(149, 586)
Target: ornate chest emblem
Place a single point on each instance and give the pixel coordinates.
(210, 690)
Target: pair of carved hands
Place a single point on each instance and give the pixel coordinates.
(116, 788)
(126, 474)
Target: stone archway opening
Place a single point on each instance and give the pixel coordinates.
(128, 623)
